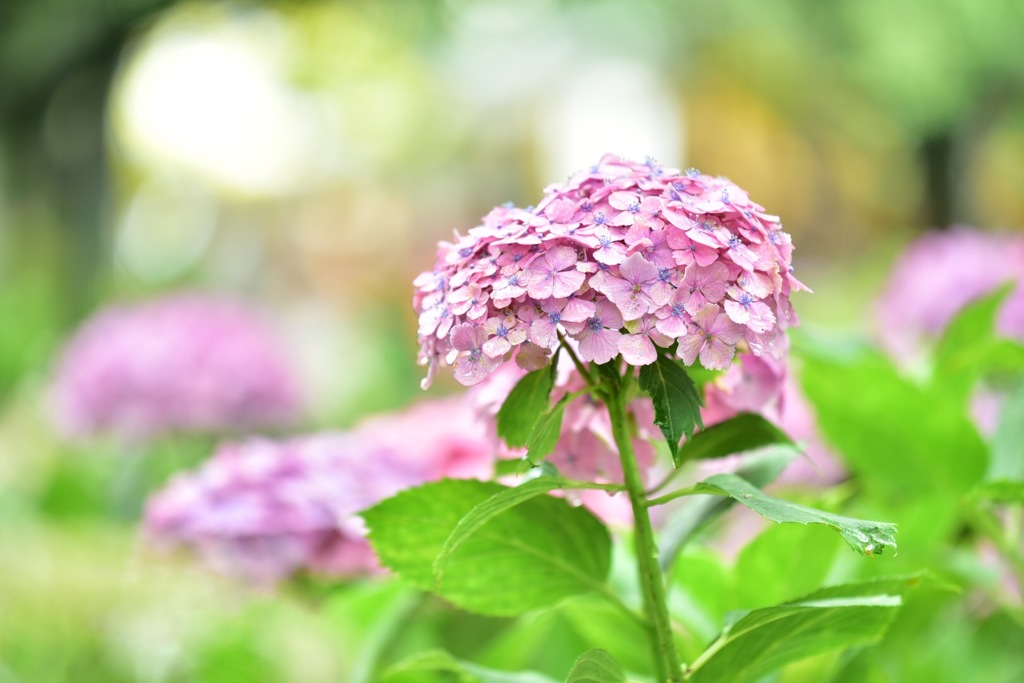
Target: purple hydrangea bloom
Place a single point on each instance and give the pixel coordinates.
(264, 509)
(617, 243)
(186, 362)
(940, 273)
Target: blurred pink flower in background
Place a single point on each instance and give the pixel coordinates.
(264, 509)
(186, 362)
(940, 273)
(765, 385)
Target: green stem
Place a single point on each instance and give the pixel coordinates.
(577, 362)
(679, 493)
(655, 604)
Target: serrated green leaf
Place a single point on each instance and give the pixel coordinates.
(596, 666)
(488, 510)
(867, 537)
(676, 401)
(527, 401)
(760, 469)
(739, 434)
(528, 557)
(764, 640)
(416, 668)
(545, 433)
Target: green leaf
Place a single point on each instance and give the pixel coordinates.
(760, 469)
(869, 538)
(776, 565)
(524, 406)
(891, 431)
(676, 401)
(596, 666)
(964, 350)
(530, 556)
(764, 640)
(488, 510)
(1001, 491)
(415, 668)
(545, 433)
(742, 433)
(600, 624)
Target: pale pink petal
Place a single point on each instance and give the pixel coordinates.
(706, 316)
(633, 307)
(544, 332)
(690, 346)
(615, 288)
(470, 370)
(577, 310)
(496, 347)
(716, 354)
(609, 314)
(600, 347)
(623, 200)
(560, 210)
(637, 349)
(565, 283)
(466, 337)
(637, 269)
(726, 330)
(737, 312)
(761, 317)
(674, 326)
(658, 337)
(559, 258)
(540, 284)
(759, 285)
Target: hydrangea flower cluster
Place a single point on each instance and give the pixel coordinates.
(263, 509)
(620, 258)
(181, 363)
(940, 273)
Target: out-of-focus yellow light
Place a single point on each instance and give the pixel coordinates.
(205, 97)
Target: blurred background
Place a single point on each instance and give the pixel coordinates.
(307, 156)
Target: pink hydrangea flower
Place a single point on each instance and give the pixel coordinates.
(713, 337)
(940, 273)
(181, 363)
(618, 242)
(263, 509)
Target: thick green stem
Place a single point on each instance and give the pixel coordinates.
(655, 605)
